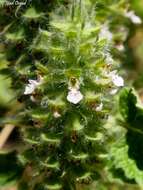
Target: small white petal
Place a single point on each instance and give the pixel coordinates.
(29, 89)
(57, 114)
(100, 107)
(118, 81)
(120, 47)
(114, 91)
(134, 18)
(32, 98)
(105, 33)
(33, 82)
(74, 96)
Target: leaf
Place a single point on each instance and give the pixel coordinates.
(81, 156)
(132, 113)
(131, 108)
(53, 165)
(60, 26)
(42, 68)
(85, 176)
(135, 142)
(41, 42)
(40, 114)
(31, 13)
(6, 93)
(123, 165)
(10, 170)
(50, 139)
(53, 186)
(127, 103)
(15, 36)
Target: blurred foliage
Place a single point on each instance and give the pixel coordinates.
(137, 5)
(6, 94)
(10, 170)
(134, 44)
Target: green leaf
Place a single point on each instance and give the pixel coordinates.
(50, 139)
(40, 114)
(127, 104)
(51, 164)
(81, 156)
(123, 163)
(15, 36)
(77, 125)
(85, 176)
(6, 95)
(41, 42)
(53, 186)
(42, 68)
(132, 113)
(60, 26)
(10, 170)
(31, 13)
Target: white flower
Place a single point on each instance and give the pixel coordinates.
(29, 89)
(134, 18)
(56, 114)
(113, 91)
(105, 33)
(116, 79)
(100, 107)
(120, 47)
(74, 96)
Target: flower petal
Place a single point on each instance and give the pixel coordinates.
(74, 96)
(134, 18)
(113, 91)
(100, 107)
(56, 114)
(29, 89)
(118, 80)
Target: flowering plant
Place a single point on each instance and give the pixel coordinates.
(65, 77)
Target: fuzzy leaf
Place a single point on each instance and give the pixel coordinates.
(31, 13)
(53, 186)
(50, 139)
(15, 36)
(127, 104)
(6, 94)
(123, 163)
(132, 112)
(42, 68)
